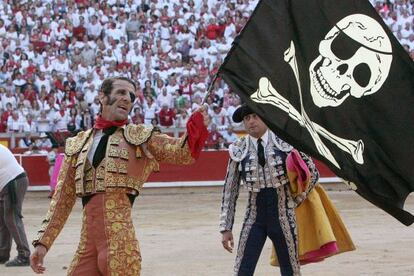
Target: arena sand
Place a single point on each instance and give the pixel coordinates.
(178, 233)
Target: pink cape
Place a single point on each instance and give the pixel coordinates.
(56, 169)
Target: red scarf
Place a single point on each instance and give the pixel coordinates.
(101, 123)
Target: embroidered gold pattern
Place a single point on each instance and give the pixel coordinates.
(113, 151)
(168, 149)
(88, 173)
(138, 134)
(100, 172)
(78, 174)
(75, 144)
(111, 165)
(110, 180)
(138, 153)
(124, 257)
(114, 139)
(100, 185)
(124, 154)
(123, 167)
(81, 246)
(64, 197)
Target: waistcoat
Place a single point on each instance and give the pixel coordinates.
(254, 176)
(124, 166)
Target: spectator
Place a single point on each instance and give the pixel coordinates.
(49, 51)
(182, 118)
(165, 99)
(43, 141)
(43, 122)
(229, 136)
(60, 119)
(138, 118)
(30, 125)
(15, 123)
(213, 30)
(34, 150)
(150, 110)
(167, 116)
(19, 82)
(80, 30)
(95, 106)
(86, 119)
(3, 127)
(74, 120)
(61, 65)
(94, 28)
(219, 116)
(148, 91)
(8, 98)
(88, 54)
(213, 138)
(4, 74)
(13, 187)
(26, 141)
(76, 57)
(42, 81)
(46, 68)
(30, 94)
(132, 27)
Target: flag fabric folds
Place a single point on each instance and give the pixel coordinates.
(329, 78)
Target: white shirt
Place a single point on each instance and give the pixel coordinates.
(43, 125)
(5, 100)
(96, 139)
(95, 29)
(61, 67)
(60, 123)
(9, 168)
(265, 139)
(165, 99)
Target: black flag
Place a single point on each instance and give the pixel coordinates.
(331, 79)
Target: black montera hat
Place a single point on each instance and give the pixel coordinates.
(241, 112)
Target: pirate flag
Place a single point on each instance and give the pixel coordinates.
(331, 79)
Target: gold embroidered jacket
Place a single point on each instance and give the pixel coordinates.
(125, 168)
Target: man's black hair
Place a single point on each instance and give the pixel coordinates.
(107, 86)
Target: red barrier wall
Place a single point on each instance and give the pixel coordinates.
(37, 169)
(211, 166)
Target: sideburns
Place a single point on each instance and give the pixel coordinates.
(111, 100)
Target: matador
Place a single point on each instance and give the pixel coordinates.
(107, 167)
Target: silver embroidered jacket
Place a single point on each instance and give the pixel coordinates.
(243, 168)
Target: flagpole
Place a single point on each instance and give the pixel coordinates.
(210, 88)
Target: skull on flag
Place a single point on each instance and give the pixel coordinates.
(354, 60)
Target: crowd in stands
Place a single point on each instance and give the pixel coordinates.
(398, 15)
(55, 55)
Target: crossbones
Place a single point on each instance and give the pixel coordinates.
(266, 93)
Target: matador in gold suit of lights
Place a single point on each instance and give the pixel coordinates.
(120, 176)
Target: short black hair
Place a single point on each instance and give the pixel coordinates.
(107, 86)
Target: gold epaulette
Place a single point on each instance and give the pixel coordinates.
(75, 144)
(138, 134)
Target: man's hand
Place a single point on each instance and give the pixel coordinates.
(36, 259)
(204, 111)
(227, 241)
(146, 151)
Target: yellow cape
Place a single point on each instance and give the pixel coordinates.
(318, 224)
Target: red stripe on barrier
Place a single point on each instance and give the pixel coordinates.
(211, 166)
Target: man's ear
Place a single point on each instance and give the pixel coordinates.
(101, 97)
